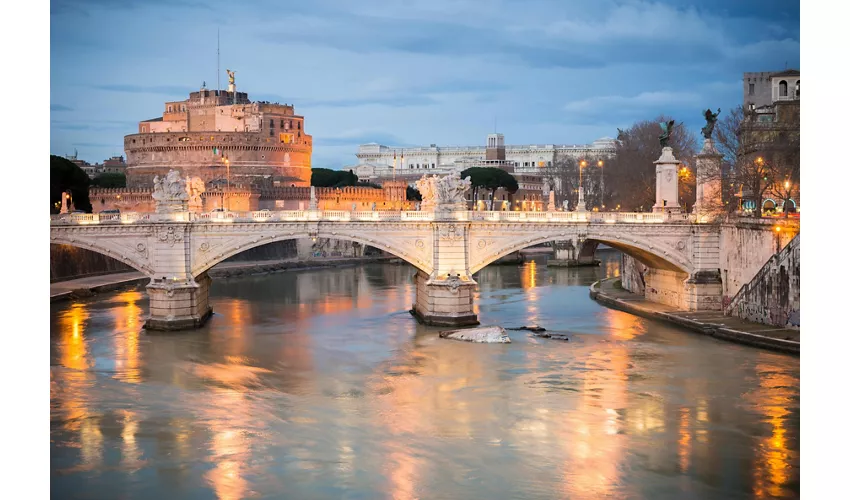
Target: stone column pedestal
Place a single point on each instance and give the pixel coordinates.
(179, 305)
(446, 302)
(709, 198)
(667, 182)
(704, 291)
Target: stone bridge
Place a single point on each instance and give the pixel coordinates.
(446, 243)
(447, 247)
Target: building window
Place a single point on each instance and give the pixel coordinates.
(797, 89)
(752, 89)
(783, 89)
(271, 123)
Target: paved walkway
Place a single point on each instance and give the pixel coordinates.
(63, 289)
(712, 323)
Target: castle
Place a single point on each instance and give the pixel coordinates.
(221, 137)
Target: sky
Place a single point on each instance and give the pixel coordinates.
(418, 72)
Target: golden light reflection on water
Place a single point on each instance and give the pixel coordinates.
(127, 364)
(73, 378)
(772, 467)
(594, 468)
(229, 448)
(528, 276)
(131, 456)
(684, 439)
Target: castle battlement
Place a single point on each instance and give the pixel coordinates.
(196, 136)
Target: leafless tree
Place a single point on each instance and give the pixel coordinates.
(768, 158)
(630, 176)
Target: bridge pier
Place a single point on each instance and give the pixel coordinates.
(445, 302)
(179, 305)
(704, 291)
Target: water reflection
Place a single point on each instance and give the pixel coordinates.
(320, 385)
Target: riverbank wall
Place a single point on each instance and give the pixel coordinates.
(611, 293)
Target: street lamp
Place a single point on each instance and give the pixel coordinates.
(601, 163)
(581, 165)
(227, 195)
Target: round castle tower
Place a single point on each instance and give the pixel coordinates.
(219, 135)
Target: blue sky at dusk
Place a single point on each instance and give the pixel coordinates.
(414, 72)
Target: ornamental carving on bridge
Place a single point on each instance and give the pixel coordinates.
(450, 232)
(170, 234)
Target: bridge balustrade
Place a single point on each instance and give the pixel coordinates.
(373, 216)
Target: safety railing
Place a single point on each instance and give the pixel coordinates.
(372, 216)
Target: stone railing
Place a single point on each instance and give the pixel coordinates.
(372, 216)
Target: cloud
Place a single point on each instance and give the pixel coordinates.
(60, 107)
(644, 100)
(357, 137)
(145, 89)
(96, 145)
(85, 7)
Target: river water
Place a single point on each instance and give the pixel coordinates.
(319, 384)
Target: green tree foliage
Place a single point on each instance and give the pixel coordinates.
(109, 180)
(413, 194)
(489, 178)
(65, 176)
(325, 177)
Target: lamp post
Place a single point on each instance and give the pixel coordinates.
(601, 164)
(581, 204)
(227, 194)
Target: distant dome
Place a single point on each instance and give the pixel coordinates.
(605, 142)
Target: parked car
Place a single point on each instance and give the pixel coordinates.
(218, 210)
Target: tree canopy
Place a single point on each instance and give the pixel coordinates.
(325, 177)
(109, 180)
(490, 178)
(66, 176)
(413, 194)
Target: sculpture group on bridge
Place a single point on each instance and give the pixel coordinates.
(446, 190)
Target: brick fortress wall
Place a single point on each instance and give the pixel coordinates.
(251, 155)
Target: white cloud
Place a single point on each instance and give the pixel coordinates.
(643, 100)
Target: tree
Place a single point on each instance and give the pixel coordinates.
(66, 176)
(630, 175)
(109, 180)
(726, 140)
(325, 177)
(768, 157)
(490, 178)
(413, 194)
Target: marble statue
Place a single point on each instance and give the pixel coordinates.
(195, 187)
(710, 121)
(666, 131)
(171, 193)
(171, 188)
(231, 77)
(446, 190)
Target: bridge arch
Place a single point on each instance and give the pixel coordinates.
(105, 247)
(238, 245)
(652, 255)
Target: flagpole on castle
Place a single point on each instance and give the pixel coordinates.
(217, 61)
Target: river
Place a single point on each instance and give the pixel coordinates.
(320, 384)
